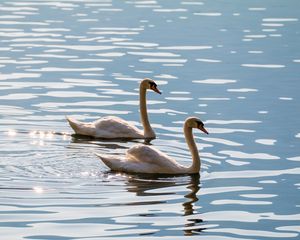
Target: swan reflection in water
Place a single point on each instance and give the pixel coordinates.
(149, 185)
(155, 186)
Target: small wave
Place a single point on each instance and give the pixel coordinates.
(238, 154)
(215, 81)
(266, 141)
(263, 65)
(242, 90)
(209, 14)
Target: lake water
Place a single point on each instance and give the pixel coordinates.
(234, 64)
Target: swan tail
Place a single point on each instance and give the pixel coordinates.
(81, 127)
(109, 161)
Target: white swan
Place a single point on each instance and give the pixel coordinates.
(146, 159)
(115, 127)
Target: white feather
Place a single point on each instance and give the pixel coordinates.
(106, 127)
(115, 127)
(146, 159)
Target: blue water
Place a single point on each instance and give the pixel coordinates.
(234, 64)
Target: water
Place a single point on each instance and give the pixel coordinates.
(234, 64)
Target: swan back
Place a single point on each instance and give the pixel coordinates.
(152, 160)
(115, 127)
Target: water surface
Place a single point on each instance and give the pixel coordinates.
(233, 64)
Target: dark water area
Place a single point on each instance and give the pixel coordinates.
(234, 64)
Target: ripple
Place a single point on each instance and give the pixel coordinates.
(297, 158)
(70, 94)
(229, 130)
(23, 62)
(293, 228)
(166, 10)
(222, 141)
(243, 216)
(12, 9)
(253, 233)
(257, 9)
(185, 48)
(208, 60)
(191, 3)
(183, 93)
(239, 202)
(11, 17)
(266, 141)
(142, 44)
(272, 24)
(263, 112)
(253, 174)
(166, 76)
(179, 98)
(117, 92)
(58, 69)
(209, 14)
(263, 65)
(88, 82)
(258, 195)
(154, 54)
(237, 163)
(90, 60)
(18, 96)
(242, 90)
(255, 52)
(109, 54)
(23, 23)
(286, 98)
(11, 76)
(51, 56)
(69, 47)
(215, 81)
(222, 122)
(280, 19)
(14, 110)
(238, 154)
(162, 60)
(214, 99)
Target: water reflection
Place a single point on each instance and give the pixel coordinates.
(105, 144)
(157, 186)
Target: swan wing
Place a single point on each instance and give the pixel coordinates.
(106, 127)
(152, 160)
(115, 127)
(142, 159)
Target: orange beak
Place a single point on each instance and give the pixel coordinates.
(203, 130)
(156, 90)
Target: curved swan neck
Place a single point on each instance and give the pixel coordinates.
(196, 164)
(148, 131)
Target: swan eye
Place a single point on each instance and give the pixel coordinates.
(152, 84)
(200, 124)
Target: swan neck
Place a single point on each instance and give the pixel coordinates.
(196, 163)
(148, 131)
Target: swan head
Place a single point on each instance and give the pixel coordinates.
(194, 122)
(148, 83)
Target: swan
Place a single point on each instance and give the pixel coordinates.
(146, 159)
(114, 127)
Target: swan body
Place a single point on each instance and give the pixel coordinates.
(106, 127)
(146, 159)
(111, 127)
